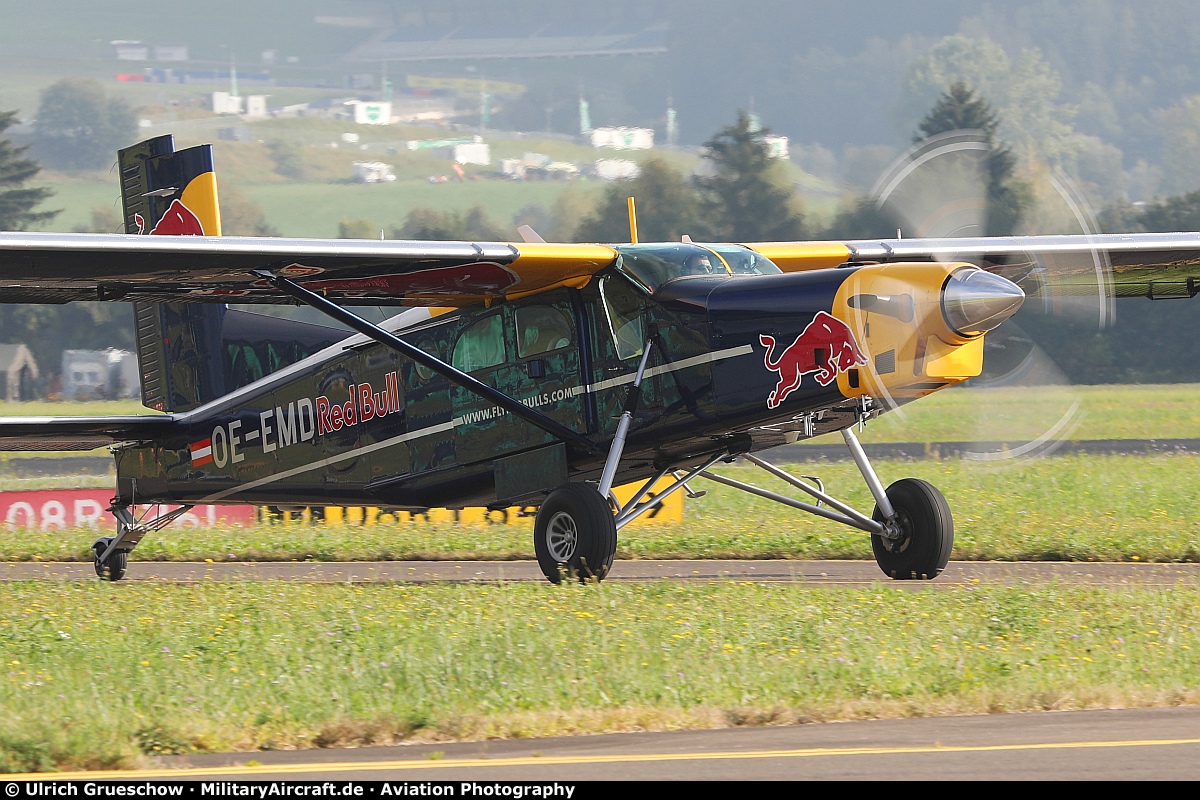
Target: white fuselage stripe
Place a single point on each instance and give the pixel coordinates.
(695, 361)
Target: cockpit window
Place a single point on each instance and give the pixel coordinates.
(743, 260)
(652, 265)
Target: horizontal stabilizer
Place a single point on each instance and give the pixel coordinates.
(78, 433)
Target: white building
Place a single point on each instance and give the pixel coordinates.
(623, 138)
(616, 169)
(371, 113)
(99, 374)
(373, 172)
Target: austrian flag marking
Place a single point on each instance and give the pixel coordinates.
(201, 452)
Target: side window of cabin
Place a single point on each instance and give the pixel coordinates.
(541, 329)
(623, 310)
(429, 346)
(481, 345)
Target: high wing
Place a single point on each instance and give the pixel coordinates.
(61, 268)
(1154, 265)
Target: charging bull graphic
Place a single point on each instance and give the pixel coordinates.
(178, 221)
(826, 347)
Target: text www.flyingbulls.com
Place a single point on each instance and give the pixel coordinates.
(494, 412)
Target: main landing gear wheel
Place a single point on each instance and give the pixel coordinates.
(575, 533)
(113, 567)
(926, 531)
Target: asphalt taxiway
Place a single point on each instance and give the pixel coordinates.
(1127, 744)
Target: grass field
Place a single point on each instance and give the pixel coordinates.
(98, 676)
(1074, 508)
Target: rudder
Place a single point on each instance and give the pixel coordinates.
(192, 353)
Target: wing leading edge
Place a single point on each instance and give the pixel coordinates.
(61, 268)
(1155, 265)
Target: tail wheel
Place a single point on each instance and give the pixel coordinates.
(926, 532)
(113, 567)
(575, 533)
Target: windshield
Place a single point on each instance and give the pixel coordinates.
(743, 261)
(652, 265)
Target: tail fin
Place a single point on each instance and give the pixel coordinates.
(190, 354)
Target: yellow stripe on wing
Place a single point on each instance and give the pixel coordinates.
(803, 256)
(542, 266)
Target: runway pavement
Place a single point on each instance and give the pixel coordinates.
(817, 573)
(1130, 744)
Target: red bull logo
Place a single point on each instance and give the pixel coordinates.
(178, 221)
(826, 347)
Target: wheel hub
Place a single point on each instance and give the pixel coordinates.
(896, 533)
(562, 537)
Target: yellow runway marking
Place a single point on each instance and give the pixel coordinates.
(526, 761)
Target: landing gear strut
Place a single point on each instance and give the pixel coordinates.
(912, 530)
(110, 554)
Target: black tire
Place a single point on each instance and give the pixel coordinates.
(113, 568)
(928, 532)
(575, 534)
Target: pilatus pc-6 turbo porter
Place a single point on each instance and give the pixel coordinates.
(533, 373)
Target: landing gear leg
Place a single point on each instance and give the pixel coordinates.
(918, 530)
(912, 531)
(110, 554)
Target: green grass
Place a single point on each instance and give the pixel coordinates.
(97, 676)
(1072, 508)
(1024, 413)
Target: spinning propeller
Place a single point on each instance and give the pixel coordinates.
(939, 189)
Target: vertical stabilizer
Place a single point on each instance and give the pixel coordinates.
(192, 353)
(165, 192)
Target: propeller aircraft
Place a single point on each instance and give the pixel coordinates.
(534, 373)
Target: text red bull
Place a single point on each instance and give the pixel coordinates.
(826, 347)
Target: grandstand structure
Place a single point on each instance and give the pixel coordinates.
(474, 30)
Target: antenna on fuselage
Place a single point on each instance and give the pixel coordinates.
(632, 221)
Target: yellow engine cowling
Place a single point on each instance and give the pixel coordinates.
(899, 315)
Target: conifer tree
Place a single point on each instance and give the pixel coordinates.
(960, 108)
(17, 200)
(746, 197)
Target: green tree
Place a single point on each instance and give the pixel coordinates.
(746, 197)
(960, 108)
(1180, 129)
(1169, 214)
(472, 225)
(288, 158)
(17, 200)
(105, 219)
(79, 127)
(358, 228)
(241, 216)
(862, 220)
(668, 206)
(1025, 91)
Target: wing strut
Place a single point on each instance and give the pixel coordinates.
(453, 374)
